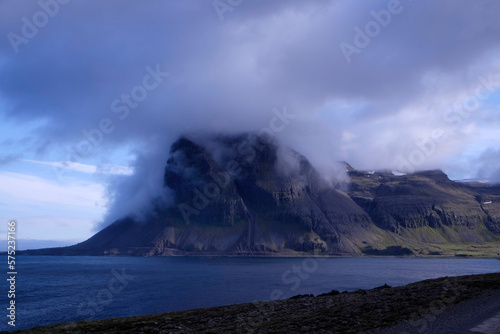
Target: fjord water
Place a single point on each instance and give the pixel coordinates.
(62, 289)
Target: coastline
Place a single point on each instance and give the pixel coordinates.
(347, 312)
(447, 250)
(277, 255)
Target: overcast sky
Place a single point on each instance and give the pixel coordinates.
(93, 93)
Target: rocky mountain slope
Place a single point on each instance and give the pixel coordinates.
(246, 194)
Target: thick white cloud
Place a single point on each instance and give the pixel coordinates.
(414, 76)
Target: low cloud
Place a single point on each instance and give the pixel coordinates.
(487, 165)
(83, 168)
(228, 76)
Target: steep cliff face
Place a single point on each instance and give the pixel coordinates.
(246, 194)
(273, 192)
(204, 191)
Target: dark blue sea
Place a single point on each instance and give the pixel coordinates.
(61, 289)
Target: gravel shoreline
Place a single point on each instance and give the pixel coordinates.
(361, 311)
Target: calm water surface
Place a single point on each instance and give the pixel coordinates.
(61, 289)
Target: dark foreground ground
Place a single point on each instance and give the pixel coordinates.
(443, 305)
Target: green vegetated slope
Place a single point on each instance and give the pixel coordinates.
(430, 214)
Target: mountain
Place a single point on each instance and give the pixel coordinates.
(248, 195)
